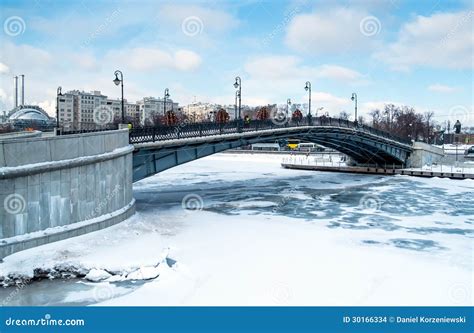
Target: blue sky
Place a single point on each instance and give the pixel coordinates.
(416, 53)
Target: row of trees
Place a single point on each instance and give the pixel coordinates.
(405, 122)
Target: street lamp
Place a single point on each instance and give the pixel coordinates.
(238, 85)
(354, 98)
(167, 94)
(308, 89)
(288, 103)
(237, 94)
(118, 81)
(58, 93)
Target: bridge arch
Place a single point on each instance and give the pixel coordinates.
(361, 144)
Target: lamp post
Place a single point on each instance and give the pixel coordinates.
(288, 103)
(58, 93)
(235, 105)
(354, 98)
(319, 109)
(167, 94)
(118, 81)
(238, 86)
(308, 89)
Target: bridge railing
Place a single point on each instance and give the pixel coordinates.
(191, 130)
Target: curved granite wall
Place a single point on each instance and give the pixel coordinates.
(56, 187)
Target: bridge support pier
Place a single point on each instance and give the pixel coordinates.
(52, 188)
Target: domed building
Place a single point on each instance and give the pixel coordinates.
(30, 117)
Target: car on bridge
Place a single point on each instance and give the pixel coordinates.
(469, 153)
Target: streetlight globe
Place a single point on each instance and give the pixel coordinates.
(236, 85)
(117, 80)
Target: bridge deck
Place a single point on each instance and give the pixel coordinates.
(163, 147)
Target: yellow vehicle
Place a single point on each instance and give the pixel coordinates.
(293, 144)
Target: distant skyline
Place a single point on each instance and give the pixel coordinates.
(411, 53)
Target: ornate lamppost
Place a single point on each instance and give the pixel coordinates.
(58, 93)
(167, 94)
(354, 98)
(118, 81)
(238, 86)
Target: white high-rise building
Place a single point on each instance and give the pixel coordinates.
(76, 108)
(150, 107)
(82, 110)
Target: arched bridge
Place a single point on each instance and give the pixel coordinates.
(163, 147)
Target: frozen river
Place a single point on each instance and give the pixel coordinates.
(244, 231)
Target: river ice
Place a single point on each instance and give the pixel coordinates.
(244, 231)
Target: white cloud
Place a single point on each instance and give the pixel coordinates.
(86, 61)
(441, 88)
(338, 73)
(4, 69)
(331, 103)
(442, 40)
(286, 67)
(145, 59)
(24, 58)
(275, 67)
(82, 70)
(186, 60)
(332, 30)
(3, 99)
(212, 20)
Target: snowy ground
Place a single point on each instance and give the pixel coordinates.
(453, 149)
(263, 235)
